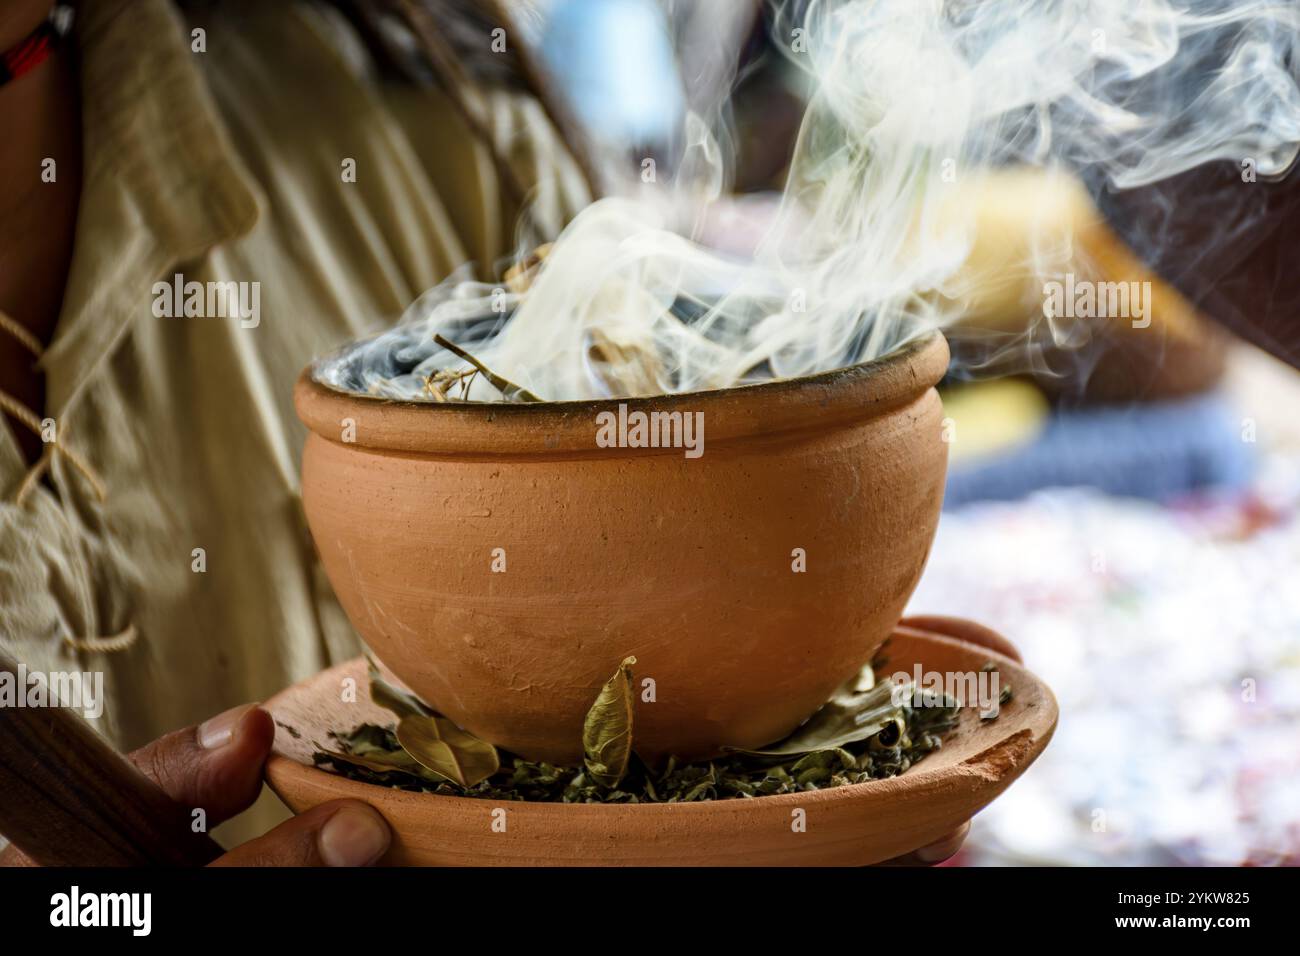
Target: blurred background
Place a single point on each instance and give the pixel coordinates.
(1124, 508)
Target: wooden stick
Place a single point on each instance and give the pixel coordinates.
(508, 389)
(67, 798)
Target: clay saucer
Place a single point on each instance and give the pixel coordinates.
(851, 825)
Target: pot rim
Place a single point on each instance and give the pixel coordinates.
(567, 428)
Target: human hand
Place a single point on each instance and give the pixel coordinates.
(218, 766)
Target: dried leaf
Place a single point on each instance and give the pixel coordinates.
(847, 718)
(400, 702)
(368, 739)
(626, 368)
(737, 776)
(380, 762)
(607, 731)
(519, 277)
(442, 747)
(374, 754)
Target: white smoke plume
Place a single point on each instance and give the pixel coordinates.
(912, 99)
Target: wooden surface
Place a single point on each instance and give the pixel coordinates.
(67, 798)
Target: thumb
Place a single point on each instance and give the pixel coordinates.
(216, 765)
(340, 833)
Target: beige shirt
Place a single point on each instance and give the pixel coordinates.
(229, 165)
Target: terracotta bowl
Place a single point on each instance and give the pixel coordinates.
(685, 563)
(855, 825)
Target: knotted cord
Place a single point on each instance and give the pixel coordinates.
(21, 413)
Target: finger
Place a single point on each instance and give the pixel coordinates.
(341, 833)
(937, 852)
(216, 766)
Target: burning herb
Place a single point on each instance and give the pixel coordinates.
(439, 384)
(627, 369)
(519, 277)
(509, 390)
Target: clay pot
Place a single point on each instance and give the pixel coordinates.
(685, 563)
(845, 826)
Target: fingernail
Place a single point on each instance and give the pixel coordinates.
(353, 837)
(220, 730)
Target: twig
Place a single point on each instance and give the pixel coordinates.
(509, 390)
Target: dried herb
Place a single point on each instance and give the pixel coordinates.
(438, 385)
(849, 717)
(913, 729)
(426, 741)
(520, 276)
(400, 702)
(383, 762)
(626, 369)
(607, 731)
(443, 748)
(508, 389)
(1004, 694)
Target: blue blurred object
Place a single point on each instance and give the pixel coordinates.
(1156, 451)
(615, 61)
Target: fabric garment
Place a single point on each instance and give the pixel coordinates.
(217, 149)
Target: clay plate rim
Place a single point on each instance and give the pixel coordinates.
(289, 769)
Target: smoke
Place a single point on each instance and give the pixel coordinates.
(914, 102)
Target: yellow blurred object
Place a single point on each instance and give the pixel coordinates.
(1033, 227)
(982, 419)
(519, 277)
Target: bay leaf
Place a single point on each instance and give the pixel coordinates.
(848, 718)
(390, 698)
(442, 747)
(607, 731)
(379, 762)
(366, 739)
(400, 702)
